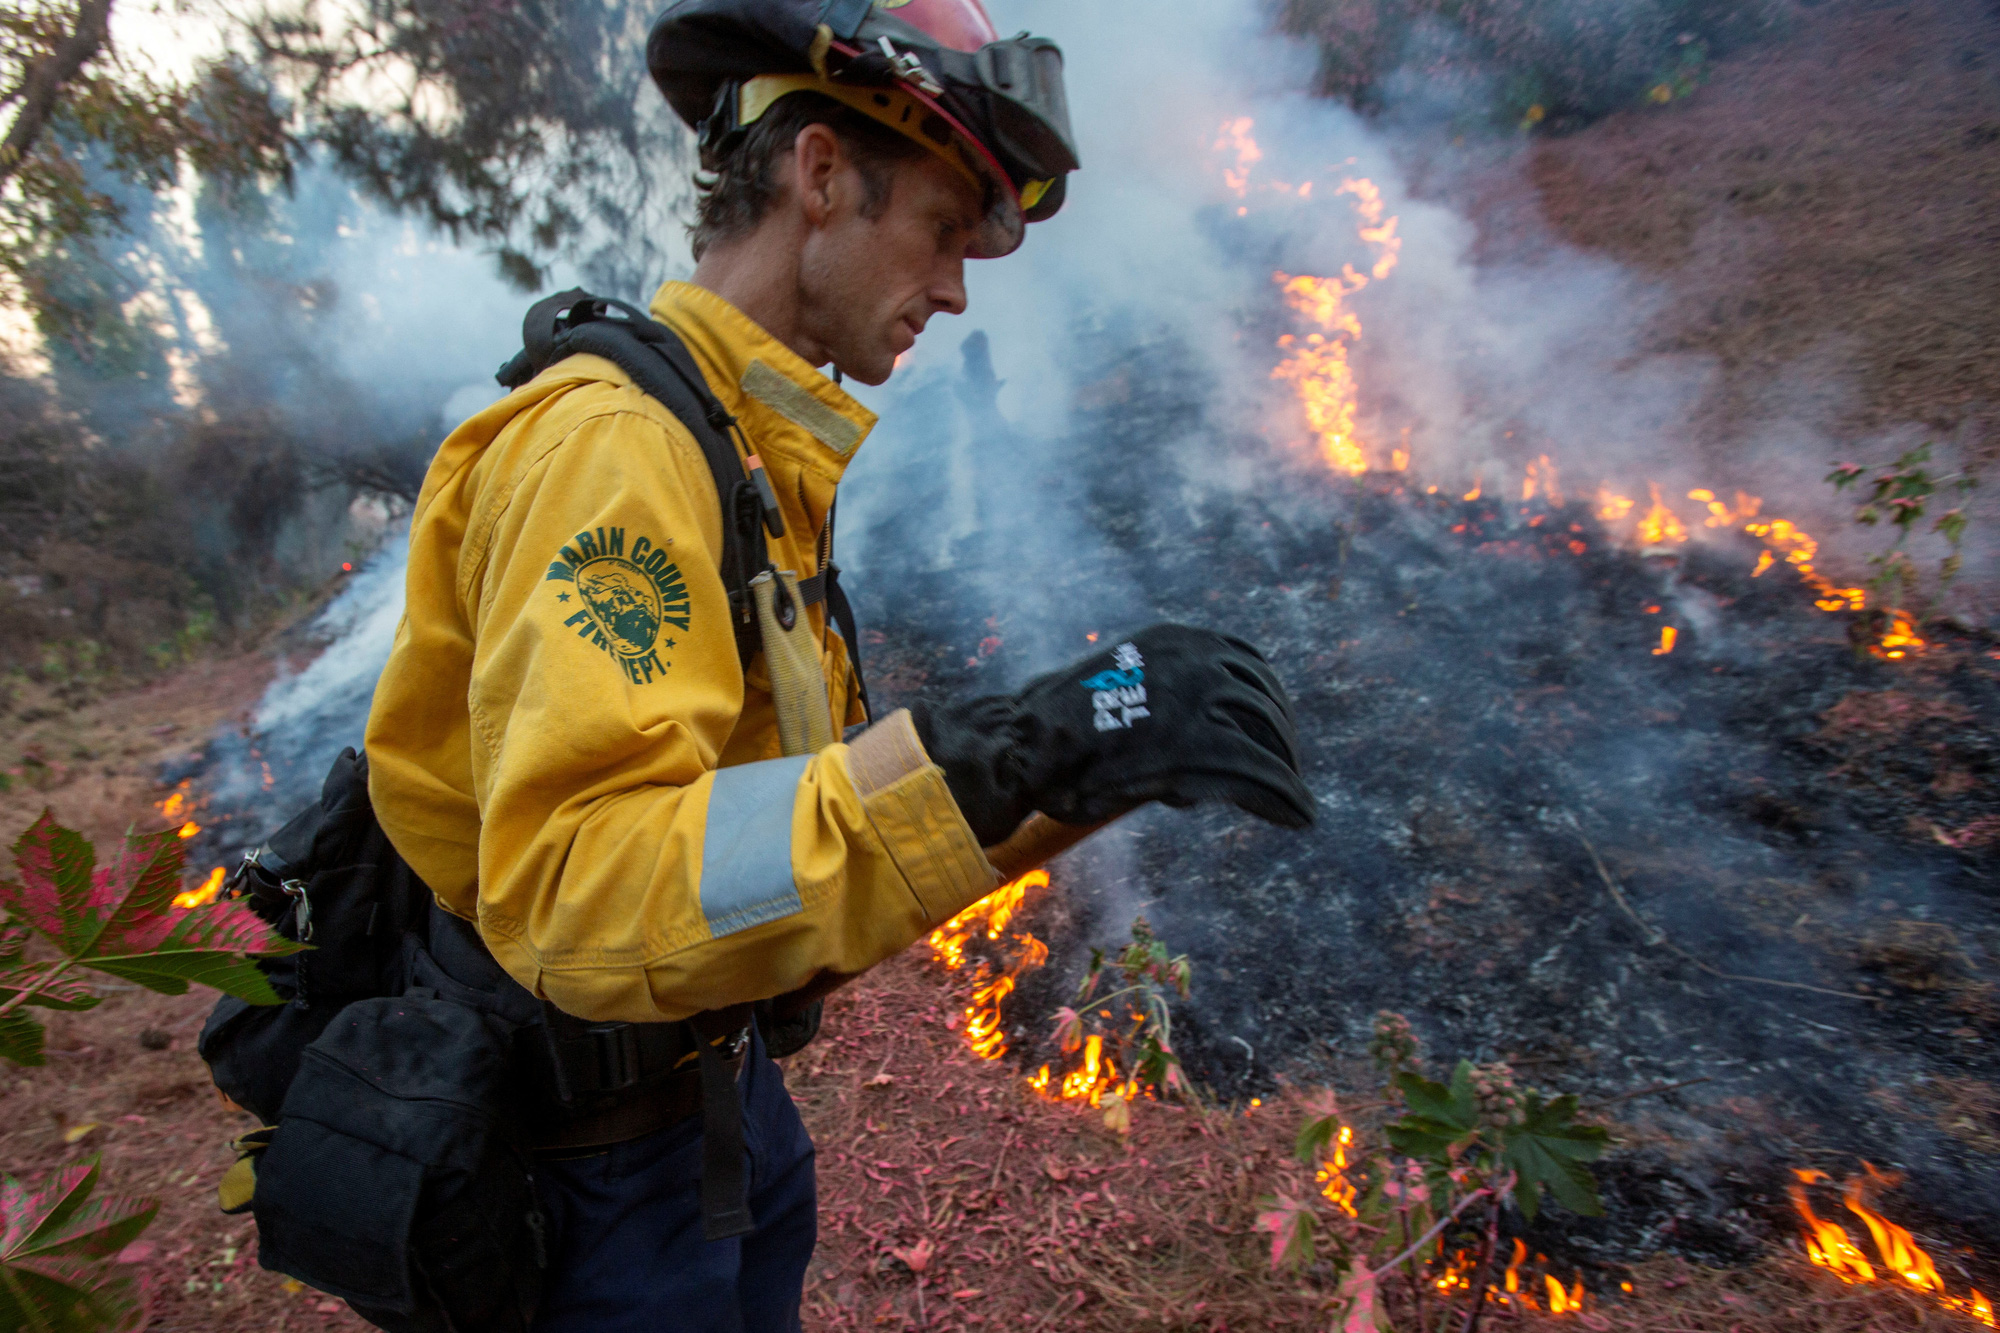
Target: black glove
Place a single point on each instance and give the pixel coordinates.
(1172, 714)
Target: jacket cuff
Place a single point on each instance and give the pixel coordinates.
(907, 802)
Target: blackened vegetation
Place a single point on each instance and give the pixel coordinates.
(1484, 709)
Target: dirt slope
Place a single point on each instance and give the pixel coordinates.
(1825, 212)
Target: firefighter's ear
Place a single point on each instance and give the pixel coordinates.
(818, 162)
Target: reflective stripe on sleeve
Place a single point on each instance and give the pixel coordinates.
(746, 849)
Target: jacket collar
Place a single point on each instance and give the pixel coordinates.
(788, 409)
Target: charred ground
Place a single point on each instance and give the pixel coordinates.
(1486, 720)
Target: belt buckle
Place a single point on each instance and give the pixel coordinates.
(617, 1056)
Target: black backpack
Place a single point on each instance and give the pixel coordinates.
(395, 1080)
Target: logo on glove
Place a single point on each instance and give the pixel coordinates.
(1118, 696)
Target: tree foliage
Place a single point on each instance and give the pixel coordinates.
(530, 128)
(528, 125)
(80, 114)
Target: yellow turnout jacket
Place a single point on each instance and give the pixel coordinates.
(564, 744)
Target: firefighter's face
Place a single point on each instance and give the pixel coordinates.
(868, 285)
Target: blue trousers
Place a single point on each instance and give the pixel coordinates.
(625, 1247)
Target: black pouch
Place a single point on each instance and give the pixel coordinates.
(391, 1180)
(329, 879)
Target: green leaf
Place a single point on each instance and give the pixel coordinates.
(121, 918)
(1439, 1116)
(1548, 1150)
(21, 1040)
(1314, 1137)
(54, 1241)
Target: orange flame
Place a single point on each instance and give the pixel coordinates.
(985, 1033)
(1235, 138)
(1332, 1176)
(206, 894)
(1829, 1246)
(1900, 639)
(1542, 478)
(1560, 1301)
(187, 830)
(1667, 636)
(1660, 525)
(1611, 506)
(1316, 365)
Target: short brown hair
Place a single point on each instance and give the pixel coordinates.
(733, 193)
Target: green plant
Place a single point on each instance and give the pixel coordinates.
(1901, 494)
(55, 1246)
(1140, 1040)
(1470, 1146)
(120, 919)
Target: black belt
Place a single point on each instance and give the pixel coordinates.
(591, 1085)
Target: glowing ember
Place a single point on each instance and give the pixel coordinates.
(206, 894)
(1829, 1245)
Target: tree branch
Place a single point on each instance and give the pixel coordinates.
(44, 80)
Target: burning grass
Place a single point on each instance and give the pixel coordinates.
(954, 1198)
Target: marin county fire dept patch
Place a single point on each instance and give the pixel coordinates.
(621, 602)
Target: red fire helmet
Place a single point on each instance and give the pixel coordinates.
(935, 71)
(962, 25)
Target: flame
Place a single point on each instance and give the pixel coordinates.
(1542, 477)
(1332, 1176)
(1235, 138)
(1512, 1281)
(1660, 525)
(1316, 364)
(1399, 460)
(985, 1033)
(1564, 1302)
(175, 804)
(1611, 506)
(1667, 636)
(206, 894)
(187, 830)
(1900, 639)
(1796, 547)
(1474, 493)
(1829, 1246)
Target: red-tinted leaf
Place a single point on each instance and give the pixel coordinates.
(65, 992)
(121, 918)
(54, 892)
(54, 1240)
(27, 1209)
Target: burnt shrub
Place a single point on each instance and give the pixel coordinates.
(1536, 64)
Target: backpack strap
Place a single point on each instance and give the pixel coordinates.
(574, 322)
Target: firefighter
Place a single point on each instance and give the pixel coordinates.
(568, 750)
